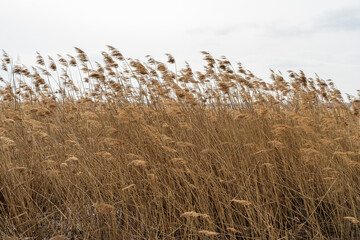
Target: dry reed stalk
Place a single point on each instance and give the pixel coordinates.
(7, 142)
(58, 237)
(49, 163)
(194, 214)
(168, 149)
(18, 169)
(134, 156)
(52, 173)
(178, 161)
(241, 202)
(105, 208)
(233, 230)
(268, 165)
(128, 187)
(208, 233)
(352, 219)
(138, 163)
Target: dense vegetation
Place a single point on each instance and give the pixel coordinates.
(130, 150)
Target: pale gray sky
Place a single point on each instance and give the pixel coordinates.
(317, 36)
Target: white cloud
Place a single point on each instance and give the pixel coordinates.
(343, 19)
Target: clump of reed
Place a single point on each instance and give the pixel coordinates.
(126, 149)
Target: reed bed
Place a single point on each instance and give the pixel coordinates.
(126, 149)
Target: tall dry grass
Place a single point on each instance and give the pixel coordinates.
(130, 150)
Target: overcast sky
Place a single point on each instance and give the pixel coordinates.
(317, 36)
